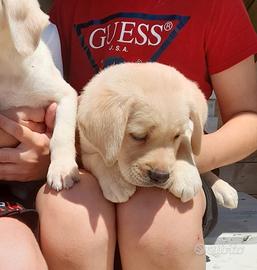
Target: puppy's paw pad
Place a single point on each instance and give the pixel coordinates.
(55, 184)
(186, 184)
(189, 193)
(225, 194)
(227, 200)
(62, 175)
(184, 191)
(231, 202)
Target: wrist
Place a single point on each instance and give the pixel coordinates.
(207, 159)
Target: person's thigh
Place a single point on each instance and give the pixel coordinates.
(77, 227)
(19, 249)
(158, 231)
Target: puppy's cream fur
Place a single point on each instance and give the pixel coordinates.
(141, 125)
(28, 77)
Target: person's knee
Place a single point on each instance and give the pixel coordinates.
(162, 229)
(19, 248)
(84, 194)
(76, 224)
(67, 211)
(68, 206)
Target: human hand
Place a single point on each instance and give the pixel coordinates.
(30, 159)
(31, 118)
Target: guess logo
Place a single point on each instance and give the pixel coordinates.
(143, 36)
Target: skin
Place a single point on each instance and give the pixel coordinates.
(30, 158)
(78, 228)
(22, 254)
(236, 90)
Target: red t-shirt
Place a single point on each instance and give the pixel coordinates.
(198, 37)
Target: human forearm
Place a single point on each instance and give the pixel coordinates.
(236, 92)
(235, 140)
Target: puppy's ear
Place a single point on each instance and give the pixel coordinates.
(103, 122)
(26, 22)
(198, 116)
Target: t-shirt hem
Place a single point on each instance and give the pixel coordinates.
(233, 61)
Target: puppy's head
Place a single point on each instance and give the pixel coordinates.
(21, 25)
(140, 115)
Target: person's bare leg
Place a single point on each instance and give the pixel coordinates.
(158, 231)
(19, 249)
(77, 227)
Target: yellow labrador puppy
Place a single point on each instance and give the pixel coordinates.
(28, 77)
(141, 125)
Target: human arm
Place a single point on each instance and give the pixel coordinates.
(236, 91)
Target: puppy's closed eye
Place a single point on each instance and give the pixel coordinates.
(139, 137)
(176, 136)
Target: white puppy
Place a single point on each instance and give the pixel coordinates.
(28, 77)
(141, 125)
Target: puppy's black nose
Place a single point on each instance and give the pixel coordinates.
(159, 177)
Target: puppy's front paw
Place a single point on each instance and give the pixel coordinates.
(186, 183)
(225, 194)
(62, 174)
(118, 193)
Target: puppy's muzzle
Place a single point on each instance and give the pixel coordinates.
(158, 177)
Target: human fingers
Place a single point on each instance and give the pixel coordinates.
(19, 155)
(8, 172)
(19, 114)
(9, 155)
(24, 164)
(34, 126)
(24, 115)
(15, 172)
(21, 133)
